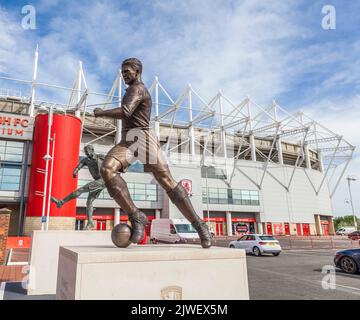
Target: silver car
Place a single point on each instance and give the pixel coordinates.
(257, 244)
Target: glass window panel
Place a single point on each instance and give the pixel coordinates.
(139, 186)
(151, 186)
(12, 157)
(12, 150)
(11, 179)
(14, 144)
(151, 192)
(9, 186)
(236, 196)
(151, 197)
(2, 142)
(139, 197)
(245, 195)
(139, 191)
(11, 171)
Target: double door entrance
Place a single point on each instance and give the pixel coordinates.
(101, 225)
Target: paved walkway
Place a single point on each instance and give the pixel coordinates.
(14, 273)
(11, 273)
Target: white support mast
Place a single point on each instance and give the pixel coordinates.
(223, 133)
(79, 78)
(157, 123)
(33, 82)
(191, 127)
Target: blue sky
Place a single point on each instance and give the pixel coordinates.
(265, 49)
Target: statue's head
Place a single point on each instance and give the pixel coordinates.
(89, 150)
(131, 70)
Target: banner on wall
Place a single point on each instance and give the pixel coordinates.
(278, 228)
(16, 126)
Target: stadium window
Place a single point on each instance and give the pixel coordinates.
(230, 196)
(151, 192)
(11, 151)
(223, 196)
(213, 173)
(236, 196)
(10, 177)
(138, 191)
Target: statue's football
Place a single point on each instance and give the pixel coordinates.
(120, 235)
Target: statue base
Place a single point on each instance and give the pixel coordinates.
(44, 256)
(152, 272)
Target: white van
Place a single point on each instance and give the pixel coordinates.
(345, 230)
(173, 231)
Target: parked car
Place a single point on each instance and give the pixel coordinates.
(345, 230)
(348, 260)
(354, 235)
(173, 231)
(257, 244)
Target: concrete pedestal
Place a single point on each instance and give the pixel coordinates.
(44, 256)
(152, 272)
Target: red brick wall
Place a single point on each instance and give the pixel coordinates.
(4, 230)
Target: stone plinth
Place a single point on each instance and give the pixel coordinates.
(152, 272)
(44, 256)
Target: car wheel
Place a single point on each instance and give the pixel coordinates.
(256, 251)
(232, 246)
(348, 265)
(276, 254)
(153, 241)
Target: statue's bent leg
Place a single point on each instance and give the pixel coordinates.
(177, 194)
(118, 190)
(90, 208)
(73, 195)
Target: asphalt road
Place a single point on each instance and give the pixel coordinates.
(297, 275)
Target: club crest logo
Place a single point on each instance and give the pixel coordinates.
(171, 293)
(187, 184)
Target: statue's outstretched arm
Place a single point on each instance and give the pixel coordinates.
(80, 165)
(129, 103)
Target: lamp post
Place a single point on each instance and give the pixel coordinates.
(352, 178)
(47, 157)
(207, 193)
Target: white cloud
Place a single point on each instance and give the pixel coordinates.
(243, 48)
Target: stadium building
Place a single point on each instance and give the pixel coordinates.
(247, 168)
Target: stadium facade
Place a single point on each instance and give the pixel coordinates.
(247, 168)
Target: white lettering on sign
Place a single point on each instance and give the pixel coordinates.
(17, 127)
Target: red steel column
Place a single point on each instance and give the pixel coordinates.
(67, 130)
